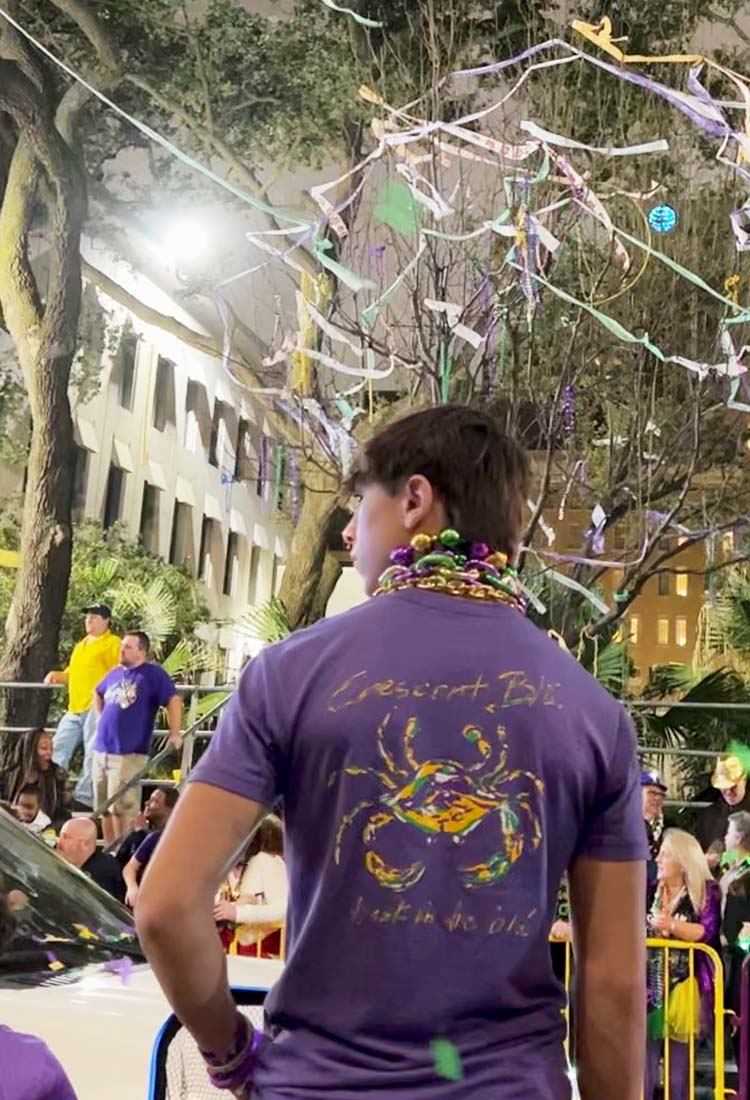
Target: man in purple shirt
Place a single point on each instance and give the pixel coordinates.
(127, 702)
(442, 763)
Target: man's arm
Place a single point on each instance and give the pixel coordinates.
(57, 676)
(98, 703)
(607, 901)
(130, 875)
(174, 721)
(206, 828)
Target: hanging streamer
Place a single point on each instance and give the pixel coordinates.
(361, 19)
(155, 136)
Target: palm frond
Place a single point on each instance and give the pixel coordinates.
(609, 663)
(678, 727)
(191, 656)
(267, 623)
(151, 609)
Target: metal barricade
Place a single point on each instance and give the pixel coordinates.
(713, 1040)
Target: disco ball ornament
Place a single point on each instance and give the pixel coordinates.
(662, 218)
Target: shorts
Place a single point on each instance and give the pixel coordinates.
(110, 772)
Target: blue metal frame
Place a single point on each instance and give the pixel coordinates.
(156, 1052)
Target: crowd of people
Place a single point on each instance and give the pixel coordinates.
(698, 891)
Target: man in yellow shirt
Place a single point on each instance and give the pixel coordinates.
(92, 658)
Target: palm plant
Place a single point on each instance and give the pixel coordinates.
(671, 726)
(267, 623)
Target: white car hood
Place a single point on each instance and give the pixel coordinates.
(103, 1029)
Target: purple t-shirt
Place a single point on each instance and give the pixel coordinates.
(442, 763)
(132, 696)
(30, 1070)
(146, 849)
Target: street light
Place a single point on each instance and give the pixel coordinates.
(185, 241)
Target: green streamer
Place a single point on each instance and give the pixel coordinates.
(279, 469)
(678, 268)
(361, 19)
(369, 315)
(446, 369)
(344, 274)
(609, 323)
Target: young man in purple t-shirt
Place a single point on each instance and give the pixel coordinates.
(442, 763)
(127, 702)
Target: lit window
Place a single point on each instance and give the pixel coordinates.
(635, 629)
(681, 584)
(727, 542)
(680, 631)
(662, 631)
(619, 635)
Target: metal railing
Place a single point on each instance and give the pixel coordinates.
(195, 732)
(694, 1034)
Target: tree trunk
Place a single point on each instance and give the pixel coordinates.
(36, 612)
(43, 324)
(302, 586)
(329, 577)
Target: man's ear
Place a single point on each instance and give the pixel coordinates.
(418, 500)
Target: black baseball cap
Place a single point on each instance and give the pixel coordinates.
(98, 609)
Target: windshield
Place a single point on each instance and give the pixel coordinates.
(63, 919)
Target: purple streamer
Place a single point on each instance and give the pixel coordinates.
(569, 410)
(294, 471)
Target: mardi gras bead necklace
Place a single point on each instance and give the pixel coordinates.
(454, 566)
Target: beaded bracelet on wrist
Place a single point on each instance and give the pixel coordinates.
(454, 566)
(234, 1070)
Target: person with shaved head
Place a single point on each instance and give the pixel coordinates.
(77, 844)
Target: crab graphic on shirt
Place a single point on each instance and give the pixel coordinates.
(444, 797)
(123, 694)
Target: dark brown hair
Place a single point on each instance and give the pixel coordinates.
(480, 474)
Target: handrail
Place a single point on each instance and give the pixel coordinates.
(22, 685)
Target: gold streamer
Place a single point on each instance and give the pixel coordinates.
(600, 34)
(317, 290)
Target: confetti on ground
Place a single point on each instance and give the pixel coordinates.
(53, 963)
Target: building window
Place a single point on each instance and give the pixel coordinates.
(80, 482)
(635, 629)
(277, 575)
(192, 425)
(245, 460)
(164, 396)
(252, 588)
(205, 565)
(727, 542)
(619, 537)
(232, 564)
(680, 631)
(149, 529)
(662, 631)
(181, 546)
(126, 364)
(217, 444)
(664, 585)
(619, 635)
(708, 581)
(113, 496)
(681, 583)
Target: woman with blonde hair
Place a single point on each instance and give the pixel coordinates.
(686, 909)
